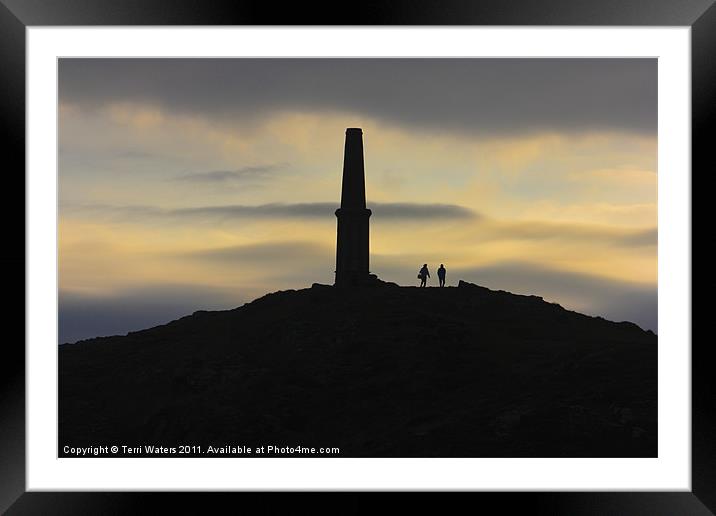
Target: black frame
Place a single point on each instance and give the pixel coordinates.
(16, 15)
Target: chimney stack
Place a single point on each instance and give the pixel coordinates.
(352, 250)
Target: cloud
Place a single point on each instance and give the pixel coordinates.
(314, 210)
(248, 173)
(271, 210)
(647, 237)
(539, 230)
(441, 95)
(262, 253)
(405, 210)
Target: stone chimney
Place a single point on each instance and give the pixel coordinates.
(352, 249)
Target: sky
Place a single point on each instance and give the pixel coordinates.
(202, 184)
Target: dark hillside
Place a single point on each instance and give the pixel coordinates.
(377, 371)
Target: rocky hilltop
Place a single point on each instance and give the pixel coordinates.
(382, 371)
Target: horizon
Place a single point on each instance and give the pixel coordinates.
(178, 195)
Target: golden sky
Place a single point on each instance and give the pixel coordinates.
(171, 206)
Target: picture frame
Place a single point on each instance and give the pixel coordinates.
(17, 15)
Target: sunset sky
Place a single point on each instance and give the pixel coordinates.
(191, 184)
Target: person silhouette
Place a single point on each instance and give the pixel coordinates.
(424, 274)
(441, 275)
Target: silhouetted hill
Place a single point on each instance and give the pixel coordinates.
(381, 371)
